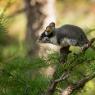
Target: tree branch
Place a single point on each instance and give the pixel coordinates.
(54, 83)
(17, 12)
(66, 74)
(80, 84)
(85, 47)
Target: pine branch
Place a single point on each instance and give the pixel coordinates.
(17, 13)
(90, 30)
(86, 46)
(54, 83)
(71, 88)
(80, 84)
(5, 8)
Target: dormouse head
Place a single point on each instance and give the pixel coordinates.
(48, 33)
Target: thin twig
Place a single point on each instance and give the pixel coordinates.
(66, 74)
(54, 83)
(80, 84)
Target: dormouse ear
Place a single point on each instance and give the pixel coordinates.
(52, 24)
(50, 28)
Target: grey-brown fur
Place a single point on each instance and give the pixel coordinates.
(71, 32)
(64, 36)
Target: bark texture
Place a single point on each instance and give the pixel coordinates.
(35, 20)
(39, 13)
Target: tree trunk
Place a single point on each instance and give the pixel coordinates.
(49, 10)
(39, 13)
(35, 19)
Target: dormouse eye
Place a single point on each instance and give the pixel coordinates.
(48, 29)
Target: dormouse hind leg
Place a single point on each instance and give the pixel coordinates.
(64, 51)
(84, 47)
(87, 45)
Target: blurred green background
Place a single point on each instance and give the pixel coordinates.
(21, 74)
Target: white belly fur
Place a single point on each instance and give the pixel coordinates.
(65, 42)
(53, 40)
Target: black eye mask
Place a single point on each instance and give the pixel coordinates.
(45, 36)
(50, 35)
